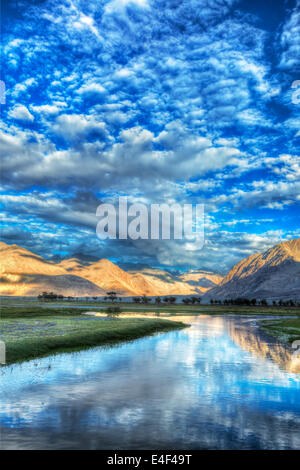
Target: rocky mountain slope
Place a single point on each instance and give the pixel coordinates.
(203, 280)
(273, 275)
(25, 273)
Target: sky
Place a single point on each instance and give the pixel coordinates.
(174, 101)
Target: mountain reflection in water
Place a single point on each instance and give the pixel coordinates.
(254, 342)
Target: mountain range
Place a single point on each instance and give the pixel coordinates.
(273, 275)
(24, 273)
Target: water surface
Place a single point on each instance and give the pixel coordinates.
(216, 385)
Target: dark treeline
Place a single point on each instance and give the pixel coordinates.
(171, 300)
(253, 302)
(52, 296)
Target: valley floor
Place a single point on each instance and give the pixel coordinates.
(284, 329)
(28, 333)
(8, 304)
(32, 329)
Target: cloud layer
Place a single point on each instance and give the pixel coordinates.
(176, 101)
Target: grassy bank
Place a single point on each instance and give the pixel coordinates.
(8, 308)
(286, 329)
(28, 335)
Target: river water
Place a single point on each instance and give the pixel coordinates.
(219, 384)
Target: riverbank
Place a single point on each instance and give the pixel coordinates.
(9, 306)
(31, 334)
(286, 330)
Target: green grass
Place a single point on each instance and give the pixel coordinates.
(35, 311)
(176, 309)
(287, 329)
(30, 334)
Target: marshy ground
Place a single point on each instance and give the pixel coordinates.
(34, 329)
(30, 332)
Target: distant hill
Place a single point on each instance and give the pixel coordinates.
(25, 273)
(272, 275)
(203, 280)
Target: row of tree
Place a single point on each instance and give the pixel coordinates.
(253, 302)
(170, 300)
(52, 296)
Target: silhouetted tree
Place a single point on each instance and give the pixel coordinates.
(113, 311)
(112, 295)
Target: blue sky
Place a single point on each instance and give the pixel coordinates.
(185, 101)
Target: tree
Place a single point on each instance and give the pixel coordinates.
(113, 311)
(49, 296)
(146, 300)
(195, 299)
(112, 295)
(157, 300)
(172, 300)
(136, 300)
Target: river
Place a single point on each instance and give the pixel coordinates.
(219, 384)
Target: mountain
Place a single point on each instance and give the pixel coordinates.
(190, 283)
(162, 282)
(202, 280)
(273, 275)
(25, 273)
(110, 277)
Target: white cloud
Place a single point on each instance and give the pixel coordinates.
(46, 109)
(73, 126)
(21, 113)
(22, 87)
(91, 88)
(290, 40)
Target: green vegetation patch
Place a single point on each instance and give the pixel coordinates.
(31, 336)
(286, 329)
